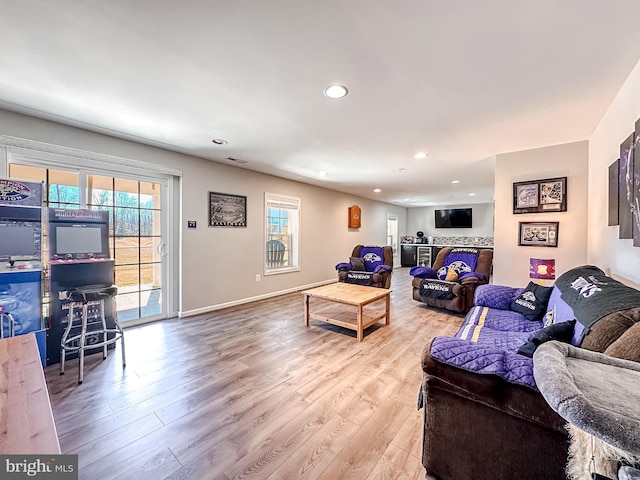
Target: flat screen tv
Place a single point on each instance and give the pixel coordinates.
(454, 218)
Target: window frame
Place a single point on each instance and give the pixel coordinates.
(274, 200)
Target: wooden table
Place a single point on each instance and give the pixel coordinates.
(342, 294)
(26, 420)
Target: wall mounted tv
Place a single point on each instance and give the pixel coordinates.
(454, 218)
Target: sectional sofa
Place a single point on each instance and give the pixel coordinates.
(484, 418)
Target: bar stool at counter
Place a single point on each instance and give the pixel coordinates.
(95, 294)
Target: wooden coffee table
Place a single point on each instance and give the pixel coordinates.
(334, 297)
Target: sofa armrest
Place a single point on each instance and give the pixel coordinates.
(496, 296)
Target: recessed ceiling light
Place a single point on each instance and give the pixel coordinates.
(336, 91)
(420, 155)
(377, 190)
(322, 173)
(472, 194)
(219, 141)
(455, 181)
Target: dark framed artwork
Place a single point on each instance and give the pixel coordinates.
(625, 189)
(538, 234)
(614, 175)
(538, 196)
(634, 157)
(226, 210)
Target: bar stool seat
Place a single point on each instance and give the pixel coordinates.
(8, 304)
(86, 295)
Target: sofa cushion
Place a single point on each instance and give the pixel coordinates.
(627, 346)
(532, 302)
(496, 319)
(496, 296)
(494, 355)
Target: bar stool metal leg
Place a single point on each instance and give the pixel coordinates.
(104, 329)
(10, 324)
(120, 331)
(63, 340)
(81, 346)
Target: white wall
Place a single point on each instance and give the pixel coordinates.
(423, 219)
(219, 265)
(511, 262)
(619, 258)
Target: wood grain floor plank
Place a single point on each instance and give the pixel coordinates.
(360, 456)
(315, 454)
(397, 464)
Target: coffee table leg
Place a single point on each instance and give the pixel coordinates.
(360, 333)
(306, 309)
(388, 307)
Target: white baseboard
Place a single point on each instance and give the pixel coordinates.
(242, 301)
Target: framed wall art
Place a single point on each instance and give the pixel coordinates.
(538, 196)
(226, 210)
(538, 234)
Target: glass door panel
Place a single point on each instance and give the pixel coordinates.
(136, 233)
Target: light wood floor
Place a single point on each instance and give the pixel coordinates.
(250, 392)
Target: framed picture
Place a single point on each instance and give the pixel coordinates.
(226, 210)
(536, 196)
(538, 234)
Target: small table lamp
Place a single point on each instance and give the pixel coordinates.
(542, 270)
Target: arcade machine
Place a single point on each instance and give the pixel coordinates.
(21, 260)
(78, 256)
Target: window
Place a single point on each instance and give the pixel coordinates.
(282, 233)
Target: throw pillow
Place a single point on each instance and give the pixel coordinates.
(452, 275)
(562, 332)
(532, 302)
(423, 272)
(357, 263)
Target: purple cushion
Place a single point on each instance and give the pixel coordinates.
(343, 265)
(373, 257)
(382, 267)
(423, 272)
(462, 260)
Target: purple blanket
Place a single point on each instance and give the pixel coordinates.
(487, 343)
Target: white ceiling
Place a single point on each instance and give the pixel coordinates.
(462, 80)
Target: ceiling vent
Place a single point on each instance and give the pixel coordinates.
(236, 160)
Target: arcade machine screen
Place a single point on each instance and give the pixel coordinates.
(79, 239)
(19, 240)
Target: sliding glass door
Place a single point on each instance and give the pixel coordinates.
(135, 207)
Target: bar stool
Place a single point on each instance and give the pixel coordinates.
(96, 294)
(7, 305)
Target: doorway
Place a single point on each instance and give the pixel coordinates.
(392, 234)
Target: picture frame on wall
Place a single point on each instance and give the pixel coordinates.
(625, 189)
(538, 234)
(539, 196)
(227, 210)
(614, 174)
